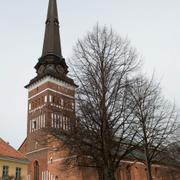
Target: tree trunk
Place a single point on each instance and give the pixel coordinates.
(149, 173)
(108, 174)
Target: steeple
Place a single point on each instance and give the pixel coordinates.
(51, 61)
(52, 43)
(51, 104)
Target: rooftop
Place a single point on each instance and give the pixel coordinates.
(8, 152)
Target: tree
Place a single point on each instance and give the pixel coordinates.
(103, 134)
(155, 117)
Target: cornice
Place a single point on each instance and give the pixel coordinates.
(13, 159)
(50, 79)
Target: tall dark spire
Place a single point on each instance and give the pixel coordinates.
(52, 38)
(51, 61)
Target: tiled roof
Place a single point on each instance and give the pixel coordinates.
(8, 151)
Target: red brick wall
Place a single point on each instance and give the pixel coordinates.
(45, 149)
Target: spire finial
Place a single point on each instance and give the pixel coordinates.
(52, 10)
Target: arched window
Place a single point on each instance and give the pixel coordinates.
(36, 170)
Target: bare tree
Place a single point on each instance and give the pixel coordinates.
(103, 134)
(155, 117)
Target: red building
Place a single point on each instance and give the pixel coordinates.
(51, 103)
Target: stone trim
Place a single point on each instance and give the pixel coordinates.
(49, 89)
(38, 150)
(6, 158)
(53, 80)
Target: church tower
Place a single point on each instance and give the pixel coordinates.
(51, 101)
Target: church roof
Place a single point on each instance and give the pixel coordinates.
(8, 152)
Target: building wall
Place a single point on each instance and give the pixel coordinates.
(51, 103)
(41, 157)
(12, 168)
(51, 163)
(130, 170)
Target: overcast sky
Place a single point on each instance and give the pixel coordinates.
(152, 26)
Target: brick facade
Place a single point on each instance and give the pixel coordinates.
(51, 104)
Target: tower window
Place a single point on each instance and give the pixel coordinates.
(45, 99)
(50, 98)
(64, 123)
(61, 121)
(44, 120)
(29, 106)
(18, 173)
(5, 171)
(58, 126)
(73, 106)
(51, 160)
(36, 145)
(34, 124)
(62, 102)
(52, 123)
(55, 125)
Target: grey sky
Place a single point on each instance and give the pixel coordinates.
(153, 26)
